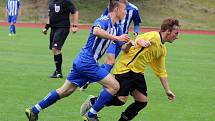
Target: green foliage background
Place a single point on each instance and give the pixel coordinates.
(193, 14)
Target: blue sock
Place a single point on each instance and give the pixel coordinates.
(11, 28)
(108, 67)
(14, 29)
(102, 100)
(136, 28)
(50, 99)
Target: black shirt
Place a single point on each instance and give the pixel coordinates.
(59, 12)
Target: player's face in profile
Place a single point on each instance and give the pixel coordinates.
(121, 11)
(173, 35)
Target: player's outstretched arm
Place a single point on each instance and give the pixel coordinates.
(165, 84)
(20, 11)
(75, 17)
(6, 11)
(103, 34)
(46, 27)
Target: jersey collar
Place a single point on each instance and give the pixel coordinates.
(161, 38)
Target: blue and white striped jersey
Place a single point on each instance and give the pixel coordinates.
(132, 15)
(13, 7)
(96, 46)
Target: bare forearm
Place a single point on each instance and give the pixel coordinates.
(20, 11)
(6, 11)
(75, 18)
(169, 93)
(47, 22)
(103, 34)
(165, 83)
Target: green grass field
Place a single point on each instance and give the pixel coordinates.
(26, 63)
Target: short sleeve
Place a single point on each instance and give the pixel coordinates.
(71, 6)
(101, 22)
(19, 4)
(105, 12)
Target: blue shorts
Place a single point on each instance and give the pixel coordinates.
(86, 69)
(12, 19)
(114, 48)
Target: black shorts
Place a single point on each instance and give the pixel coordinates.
(58, 37)
(129, 82)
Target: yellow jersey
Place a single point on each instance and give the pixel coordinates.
(138, 58)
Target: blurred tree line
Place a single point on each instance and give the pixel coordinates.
(193, 14)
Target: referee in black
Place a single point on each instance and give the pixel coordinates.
(59, 22)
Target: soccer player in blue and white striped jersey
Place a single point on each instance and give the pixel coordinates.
(132, 14)
(12, 8)
(86, 66)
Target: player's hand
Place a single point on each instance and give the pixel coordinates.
(171, 95)
(144, 43)
(44, 31)
(133, 43)
(74, 29)
(135, 34)
(123, 38)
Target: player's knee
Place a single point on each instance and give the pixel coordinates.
(65, 92)
(114, 87)
(56, 51)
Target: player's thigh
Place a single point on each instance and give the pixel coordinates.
(125, 81)
(139, 96)
(109, 82)
(139, 91)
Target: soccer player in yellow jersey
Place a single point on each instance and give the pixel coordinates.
(129, 69)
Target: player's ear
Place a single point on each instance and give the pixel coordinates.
(168, 31)
(117, 9)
